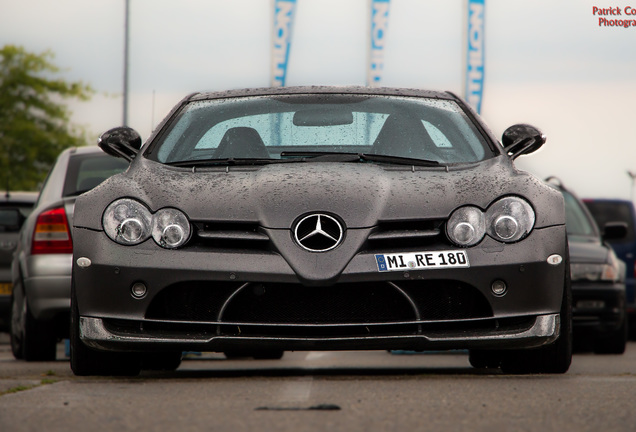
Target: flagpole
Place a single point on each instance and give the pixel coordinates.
(126, 35)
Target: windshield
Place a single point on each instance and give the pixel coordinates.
(576, 219)
(85, 171)
(268, 127)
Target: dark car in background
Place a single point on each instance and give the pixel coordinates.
(598, 279)
(41, 269)
(14, 209)
(608, 210)
(321, 218)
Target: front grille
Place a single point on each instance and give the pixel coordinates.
(343, 304)
(268, 303)
(399, 235)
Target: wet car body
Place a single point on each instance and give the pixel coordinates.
(41, 268)
(258, 272)
(14, 208)
(606, 210)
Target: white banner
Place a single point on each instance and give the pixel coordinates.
(281, 41)
(379, 27)
(475, 59)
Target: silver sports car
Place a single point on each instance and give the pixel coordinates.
(320, 218)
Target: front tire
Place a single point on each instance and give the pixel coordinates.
(484, 359)
(161, 361)
(257, 355)
(613, 343)
(31, 339)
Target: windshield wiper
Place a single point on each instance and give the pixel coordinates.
(398, 160)
(223, 162)
(355, 157)
(306, 156)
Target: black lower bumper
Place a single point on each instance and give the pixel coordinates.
(122, 335)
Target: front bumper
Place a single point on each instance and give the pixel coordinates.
(597, 307)
(193, 299)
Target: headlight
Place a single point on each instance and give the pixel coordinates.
(510, 219)
(593, 272)
(466, 226)
(129, 222)
(170, 228)
(612, 271)
(507, 220)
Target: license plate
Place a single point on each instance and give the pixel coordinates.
(422, 260)
(5, 288)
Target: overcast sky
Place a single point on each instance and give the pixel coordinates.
(548, 63)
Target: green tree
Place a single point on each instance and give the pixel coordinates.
(34, 121)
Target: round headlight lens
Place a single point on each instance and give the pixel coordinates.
(170, 228)
(510, 219)
(466, 226)
(127, 222)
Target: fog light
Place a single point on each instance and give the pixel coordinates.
(499, 288)
(138, 290)
(590, 304)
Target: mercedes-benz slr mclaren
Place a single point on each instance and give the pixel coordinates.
(321, 218)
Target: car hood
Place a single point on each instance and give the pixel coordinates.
(361, 194)
(588, 251)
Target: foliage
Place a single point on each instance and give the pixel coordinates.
(34, 121)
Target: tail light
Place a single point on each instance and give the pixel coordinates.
(52, 234)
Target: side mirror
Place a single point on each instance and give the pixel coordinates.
(123, 142)
(522, 139)
(614, 231)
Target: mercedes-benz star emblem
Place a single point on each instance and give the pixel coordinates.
(318, 232)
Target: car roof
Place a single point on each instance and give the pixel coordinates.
(21, 196)
(608, 200)
(83, 150)
(353, 90)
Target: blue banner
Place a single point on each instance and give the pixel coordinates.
(283, 24)
(475, 59)
(379, 26)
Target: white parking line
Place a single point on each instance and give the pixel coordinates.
(297, 389)
(317, 355)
